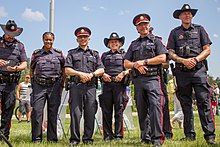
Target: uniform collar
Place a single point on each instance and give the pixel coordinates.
(51, 51)
(190, 28)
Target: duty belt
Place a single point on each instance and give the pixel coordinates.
(46, 81)
(182, 67)
(9, 78)
(76, 80)
(150, 71)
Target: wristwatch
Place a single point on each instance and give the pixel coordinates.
(146, 62)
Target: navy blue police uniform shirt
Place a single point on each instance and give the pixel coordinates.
(14, 52)
(145, 48)
(197, 37)
(47, 64)
(85, 61)
(113, 62)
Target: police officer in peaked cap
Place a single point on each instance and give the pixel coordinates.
(83, 65)
(13, 60)
(47, 74)
(145, 56)
(113, 87)
(189, 46)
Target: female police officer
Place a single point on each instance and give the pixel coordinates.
(46, 72)
(113, 86)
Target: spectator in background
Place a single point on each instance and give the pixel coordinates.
(23, 96)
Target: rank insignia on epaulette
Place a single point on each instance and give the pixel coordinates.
(36, 51)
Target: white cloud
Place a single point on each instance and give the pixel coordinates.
(215, 35)
(86, 8)
(124, 12)
(30, 15)
(218, 9)
(3, 13)
(103, 8)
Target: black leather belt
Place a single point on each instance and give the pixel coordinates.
(9, 78)
(184, 68)
(46, 81)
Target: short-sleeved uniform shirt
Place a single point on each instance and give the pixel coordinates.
(12, 52)
(47, 64)
(145, 48)
(113, 62)
(85, 61)
(195, 37)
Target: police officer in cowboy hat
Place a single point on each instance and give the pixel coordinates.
(83, 65)
(113, 87)
(13, 59)
(189, 46)
(145, 56)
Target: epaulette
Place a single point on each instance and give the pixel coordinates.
(196, 25)
(177, 28)
(36, 51)
(58, 50)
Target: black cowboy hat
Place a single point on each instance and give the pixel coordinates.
(114, 36)
(11, 28)
(186, 7)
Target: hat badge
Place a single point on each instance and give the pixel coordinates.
(113, 35)
(12, 27)
(141, 17)
(187, 7)
(82, 31)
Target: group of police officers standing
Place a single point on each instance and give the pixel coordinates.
(188, 46)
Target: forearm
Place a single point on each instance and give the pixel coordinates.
(175, 57)
(22, 66)
(71, 72)
(128, 64)
(204, 54)
(159, 59)
(99, 72)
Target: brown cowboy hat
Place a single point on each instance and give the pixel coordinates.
(186, 7)
(11, 28)
(114, 36)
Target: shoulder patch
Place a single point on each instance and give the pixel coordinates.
(36, 51)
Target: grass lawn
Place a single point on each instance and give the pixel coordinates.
(21, 137)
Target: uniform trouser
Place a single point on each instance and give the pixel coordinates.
(41, 94)
(113, 95)
(82, 101)
(149, 100)
(7, 93)
(198, 81)
(167, 129)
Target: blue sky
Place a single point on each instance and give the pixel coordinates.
(104, 17)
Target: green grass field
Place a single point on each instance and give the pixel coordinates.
(21, 137)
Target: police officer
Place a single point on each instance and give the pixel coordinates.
(189, 46)
(167, 129)
(46, 71)
(145, 56)
(13, 59)
(83, 64)
(113, 87)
